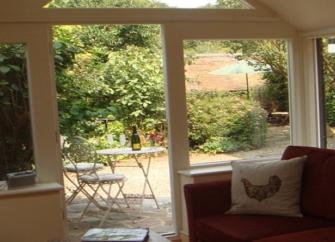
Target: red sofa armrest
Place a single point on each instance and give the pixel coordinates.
(206, 199)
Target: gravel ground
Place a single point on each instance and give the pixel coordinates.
(278, 139)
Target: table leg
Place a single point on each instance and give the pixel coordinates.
(146, 179)
(111, 163)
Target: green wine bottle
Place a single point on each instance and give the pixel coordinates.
(135, 140)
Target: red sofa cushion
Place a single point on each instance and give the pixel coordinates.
(244, 228)
(318, 196)
(315, 235)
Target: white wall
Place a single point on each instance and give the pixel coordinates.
(33, 217)
(36, 216)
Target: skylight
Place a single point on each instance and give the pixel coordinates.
(203, 4)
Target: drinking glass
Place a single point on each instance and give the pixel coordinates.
(3, 185)
(123, 139)
(110, 138)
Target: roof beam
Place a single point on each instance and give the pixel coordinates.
(132, 16)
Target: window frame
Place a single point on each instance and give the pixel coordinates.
(177, 25)
(273, 157)
(41, 96)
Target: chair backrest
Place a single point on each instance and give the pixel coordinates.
(81, 154)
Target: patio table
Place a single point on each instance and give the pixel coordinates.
(113, 155)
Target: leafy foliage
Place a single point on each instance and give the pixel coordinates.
(231, 4)
(128, 87)
(115, 73)
(15, 130)
(269, 56)
(105, 4)
(329, 83)
(224, 122)
(136, 78)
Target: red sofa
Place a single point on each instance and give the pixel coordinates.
(207, 203)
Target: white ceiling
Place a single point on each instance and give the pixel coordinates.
(305, 15)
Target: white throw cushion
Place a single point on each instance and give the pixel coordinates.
(267, 187)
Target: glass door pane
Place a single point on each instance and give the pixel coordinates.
(326, 72)
(237, 99)
(109, 79)
(16, 146)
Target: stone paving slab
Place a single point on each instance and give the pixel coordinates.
(158, 220)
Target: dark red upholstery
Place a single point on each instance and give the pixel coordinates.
(315, 235)
(206, 199)
(207, 202)
(241, 228)
(318, 193)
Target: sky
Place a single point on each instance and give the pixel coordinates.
(187, 3)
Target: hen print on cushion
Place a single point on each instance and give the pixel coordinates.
(261, 192)
(267, 187)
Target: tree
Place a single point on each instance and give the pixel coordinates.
(16, 148)
(227, 4)
(136, 79)
(270, 57)
(230, 4)
(104, 38)
(106, 59)
(105, 4)
(329, 83)
(127, 88)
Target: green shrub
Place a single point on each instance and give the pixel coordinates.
(273, 96)
(221, 145)
(224, 122)
(330, 104)
(16, 147)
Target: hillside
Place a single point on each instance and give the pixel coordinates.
(198, 74)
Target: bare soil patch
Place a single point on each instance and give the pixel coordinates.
(199, 76)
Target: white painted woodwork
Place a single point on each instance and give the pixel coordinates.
(24, 22)
(176, 114)
(42, 98)
(311, 92)
(305, 15)
(34, 217)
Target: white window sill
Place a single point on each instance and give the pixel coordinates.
(206, 171)
(216, 167)
(30, 190)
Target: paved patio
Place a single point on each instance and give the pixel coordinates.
(158, 220)
(148, 216)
